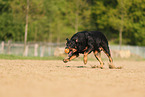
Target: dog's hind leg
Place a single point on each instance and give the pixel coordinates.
(99, 59)
(107, 52)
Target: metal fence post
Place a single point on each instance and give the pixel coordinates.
(9, 47)
(36, 50)
(26, 50)
(42, 51)
(2, 47)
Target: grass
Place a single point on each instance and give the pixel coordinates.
(14, 57)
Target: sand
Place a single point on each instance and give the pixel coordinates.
(41, 78)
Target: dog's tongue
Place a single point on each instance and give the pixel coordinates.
(70, 53)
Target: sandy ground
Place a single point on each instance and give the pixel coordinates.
(33, 78)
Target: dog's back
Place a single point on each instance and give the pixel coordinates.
(97, 39)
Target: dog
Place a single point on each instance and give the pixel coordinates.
(86, 42)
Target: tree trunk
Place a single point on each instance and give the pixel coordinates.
(120, 38)
(122, 25)
(26, 28)
(77, 17)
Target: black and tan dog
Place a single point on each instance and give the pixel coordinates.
(85, 42)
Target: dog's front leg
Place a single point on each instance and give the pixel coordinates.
(89, 50)
(70, 58)
(85, 58)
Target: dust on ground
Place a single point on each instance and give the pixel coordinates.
(35, 78)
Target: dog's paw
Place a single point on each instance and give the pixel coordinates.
(111, 66)
(65, 60)
(99, 66)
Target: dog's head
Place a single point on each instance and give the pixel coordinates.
(71, 46)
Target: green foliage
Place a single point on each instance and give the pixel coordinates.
(128, 15)
(55, 20)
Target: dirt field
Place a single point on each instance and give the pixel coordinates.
(31, 78)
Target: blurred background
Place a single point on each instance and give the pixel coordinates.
(40, 27)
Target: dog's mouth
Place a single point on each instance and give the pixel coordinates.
(71, 51)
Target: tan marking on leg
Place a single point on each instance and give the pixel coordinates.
(72, 57)
(99, 59)
(85, 58)
(69, 59)
(111, 65)
(85, 48)
(110, 59)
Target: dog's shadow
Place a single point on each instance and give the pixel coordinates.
(76, 66)
(92, 66)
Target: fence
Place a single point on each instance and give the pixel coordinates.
(137, 50)
(32, 49)
(48, 49)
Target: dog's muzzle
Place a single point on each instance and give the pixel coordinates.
(70, 51)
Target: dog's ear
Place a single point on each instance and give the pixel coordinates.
(67, 39)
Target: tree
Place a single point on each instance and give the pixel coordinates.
(136, 23)
(118, 17)
(78, 14)
(55, 20)
(26, 28)
(123, 16)
(6, 21)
